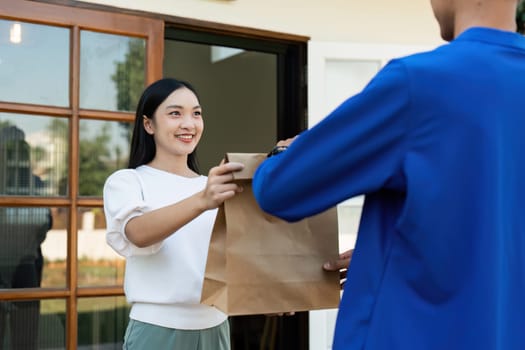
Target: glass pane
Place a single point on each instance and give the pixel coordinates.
(34, 59)
(102, 322)
(112, 71)
(32, 324)
(54, 250)
(237, 90)
(31, 239)
(33, 155)
(98, 263)
(104, 148)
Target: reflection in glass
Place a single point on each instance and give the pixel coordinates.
(34, 60)
(104, 148)
(33, 155)
(98, 263)
(22, 231)
(54, 250)
(102, 322)
(112, 71)
(32, 325)
(32, 247)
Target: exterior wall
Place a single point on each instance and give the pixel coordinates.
(380, 21)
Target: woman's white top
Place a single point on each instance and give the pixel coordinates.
(163, 282)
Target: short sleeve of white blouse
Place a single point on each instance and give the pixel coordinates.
(124, 200)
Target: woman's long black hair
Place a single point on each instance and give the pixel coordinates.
(143, 149)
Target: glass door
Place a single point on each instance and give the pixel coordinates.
(250, 91)
(238, 92)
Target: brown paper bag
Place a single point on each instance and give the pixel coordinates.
(260, 264)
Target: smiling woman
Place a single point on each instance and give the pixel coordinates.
(176, 128)
(159, 215)
(165, 98)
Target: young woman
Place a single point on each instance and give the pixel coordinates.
(160, 213)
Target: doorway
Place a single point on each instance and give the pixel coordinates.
(238, 93)
(253, 93)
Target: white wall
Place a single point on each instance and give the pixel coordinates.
(337, 71)
(378, 21)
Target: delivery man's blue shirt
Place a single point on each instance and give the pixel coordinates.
(437, 143)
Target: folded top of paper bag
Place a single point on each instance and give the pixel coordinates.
(250, 160)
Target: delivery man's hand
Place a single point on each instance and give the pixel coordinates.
(281, 146)
(341, 264)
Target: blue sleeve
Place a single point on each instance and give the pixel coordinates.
(357, 149)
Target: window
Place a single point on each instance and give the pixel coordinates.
(72, 78)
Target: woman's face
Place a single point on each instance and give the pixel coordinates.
(177, 125)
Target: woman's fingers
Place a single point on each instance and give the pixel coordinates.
(226, 168)
(220, 186)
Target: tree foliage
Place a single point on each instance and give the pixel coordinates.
(95, 163)
(93, 158)
(129, 78)
(94, 166)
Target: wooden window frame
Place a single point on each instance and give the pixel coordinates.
(292, 56)
(76, 19)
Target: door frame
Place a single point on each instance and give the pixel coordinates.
(292, 107)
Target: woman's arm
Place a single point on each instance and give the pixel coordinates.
(156, 225)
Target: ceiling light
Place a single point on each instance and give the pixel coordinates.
(15, 34)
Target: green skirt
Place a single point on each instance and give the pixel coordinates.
(145, 336)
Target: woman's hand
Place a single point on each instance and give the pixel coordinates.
(220, 185)
(154, 226)
(341, 265)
